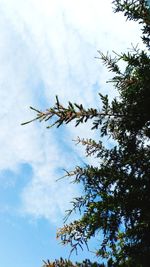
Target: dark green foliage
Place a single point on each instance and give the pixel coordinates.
(137, 10)
(116, 197)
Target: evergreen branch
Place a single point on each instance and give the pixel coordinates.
(109, 62)
(73, 112)
(91, 146)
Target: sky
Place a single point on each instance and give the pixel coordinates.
(48, 48)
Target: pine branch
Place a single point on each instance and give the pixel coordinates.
(91, 146)
(74, 112)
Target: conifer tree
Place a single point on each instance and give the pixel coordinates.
(116, 199)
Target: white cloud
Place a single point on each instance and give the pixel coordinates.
(48, 48)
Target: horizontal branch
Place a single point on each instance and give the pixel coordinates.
(72, 112)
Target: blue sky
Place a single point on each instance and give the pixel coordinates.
(47, 47)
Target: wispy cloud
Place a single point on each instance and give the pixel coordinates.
(48, 48)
